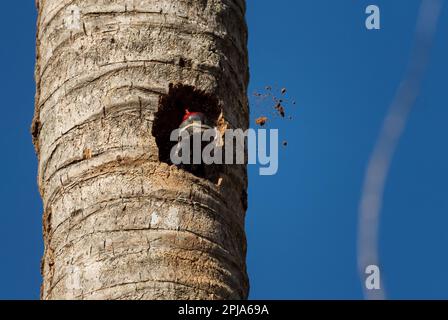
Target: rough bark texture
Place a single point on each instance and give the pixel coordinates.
(118, 223)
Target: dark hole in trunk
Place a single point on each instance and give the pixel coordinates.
(169, 116)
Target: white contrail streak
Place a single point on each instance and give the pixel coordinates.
(392, 129)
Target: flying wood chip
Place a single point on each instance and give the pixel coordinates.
(280, 109)
(261, 121)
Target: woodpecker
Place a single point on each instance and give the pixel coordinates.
(194, 120)
(194, 123)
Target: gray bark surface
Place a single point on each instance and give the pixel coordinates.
(118, 223)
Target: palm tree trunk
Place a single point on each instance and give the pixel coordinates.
(118, 222)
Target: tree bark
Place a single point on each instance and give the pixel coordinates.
(118, 223)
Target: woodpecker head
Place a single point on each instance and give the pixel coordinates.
(194, 119)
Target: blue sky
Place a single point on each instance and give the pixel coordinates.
(301, 223)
